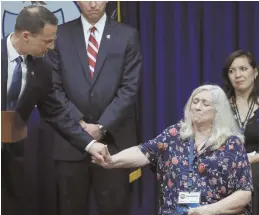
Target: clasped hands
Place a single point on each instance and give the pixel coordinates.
(99, 151)
(92, 129)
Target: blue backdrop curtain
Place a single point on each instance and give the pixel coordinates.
(184, 44)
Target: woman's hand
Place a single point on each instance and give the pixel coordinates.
(203, 210)
(253, 158)
(107, 159)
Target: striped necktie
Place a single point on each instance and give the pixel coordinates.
(92, 51)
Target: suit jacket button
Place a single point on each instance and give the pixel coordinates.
(92, 94)
(90, 117)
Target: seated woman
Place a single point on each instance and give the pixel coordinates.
(202, 166)
(241, 84)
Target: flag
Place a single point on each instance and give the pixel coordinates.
(113, 10)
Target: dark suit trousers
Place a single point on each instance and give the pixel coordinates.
(111, 188)
(13, 198)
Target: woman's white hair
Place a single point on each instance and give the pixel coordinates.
(224, 124)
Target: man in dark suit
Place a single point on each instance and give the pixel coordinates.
(27, 81)
(99, 62)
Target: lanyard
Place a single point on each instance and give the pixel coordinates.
(242, 125)
(191, 170)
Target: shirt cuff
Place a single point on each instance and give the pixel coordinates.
(89, 145)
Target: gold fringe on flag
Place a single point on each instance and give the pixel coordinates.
(118, 11)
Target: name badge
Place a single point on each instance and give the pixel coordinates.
(189, 197)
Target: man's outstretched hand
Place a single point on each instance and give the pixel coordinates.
(107, 159)
(98, 150)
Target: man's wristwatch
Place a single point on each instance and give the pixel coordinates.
(102, 130)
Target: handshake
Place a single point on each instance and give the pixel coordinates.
(100, 155)
(99, 151)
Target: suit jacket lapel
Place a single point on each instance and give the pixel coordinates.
(79, 41)
(4, 73)
(103, 47)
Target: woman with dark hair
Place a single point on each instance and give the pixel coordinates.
(241, 84)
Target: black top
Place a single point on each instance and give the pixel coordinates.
(252, 133)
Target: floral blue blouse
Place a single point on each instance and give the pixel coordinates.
(217, 174)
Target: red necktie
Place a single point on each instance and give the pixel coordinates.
(92, 51)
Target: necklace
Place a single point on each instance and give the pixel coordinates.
(202, 144)
(242, 125)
